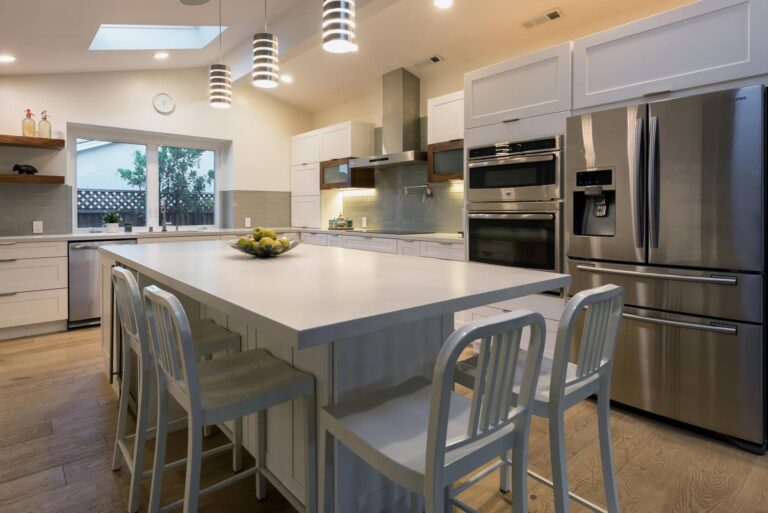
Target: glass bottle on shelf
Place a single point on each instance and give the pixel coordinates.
(28, 125)
(44, 126)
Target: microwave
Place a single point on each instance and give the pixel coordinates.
(445, 161)
(515, 171)
(336, 174)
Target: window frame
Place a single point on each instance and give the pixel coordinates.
(152, 141)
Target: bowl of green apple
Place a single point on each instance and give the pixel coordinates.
(264, 243)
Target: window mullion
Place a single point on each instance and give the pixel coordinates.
(153, 186)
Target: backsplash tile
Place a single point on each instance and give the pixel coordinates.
(391, 208)
(22, 204)
(265, 208)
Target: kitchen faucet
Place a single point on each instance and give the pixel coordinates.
(163, 212)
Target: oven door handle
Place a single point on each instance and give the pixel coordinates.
(512, 160)
(514, 217)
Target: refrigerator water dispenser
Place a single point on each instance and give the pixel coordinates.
(594, 204)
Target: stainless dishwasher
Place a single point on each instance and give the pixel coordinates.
(85, 281)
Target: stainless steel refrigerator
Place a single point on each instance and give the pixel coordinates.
(667, 199)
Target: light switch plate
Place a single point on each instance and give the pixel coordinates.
(364, 222)
(37, 227)
(247, 222)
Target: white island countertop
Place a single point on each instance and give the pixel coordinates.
(314, 295)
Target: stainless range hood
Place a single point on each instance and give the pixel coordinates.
(400, 134)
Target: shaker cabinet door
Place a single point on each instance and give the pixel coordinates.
(703, 43)
(532, 85)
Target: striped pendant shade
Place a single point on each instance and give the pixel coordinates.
(339, 26)
(266, 67)
(220, 86)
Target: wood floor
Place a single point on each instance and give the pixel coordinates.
(57, 423)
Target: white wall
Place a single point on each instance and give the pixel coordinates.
(258, 125)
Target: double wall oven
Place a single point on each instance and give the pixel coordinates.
(515, 204)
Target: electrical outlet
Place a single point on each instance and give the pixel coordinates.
(37, 227)
(247, 222)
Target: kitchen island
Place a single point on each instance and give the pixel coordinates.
(357, 320)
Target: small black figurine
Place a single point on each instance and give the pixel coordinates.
(25, 169)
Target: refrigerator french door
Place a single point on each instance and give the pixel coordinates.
(667, 200)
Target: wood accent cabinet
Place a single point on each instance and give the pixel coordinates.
(445, 161)
(336, 174)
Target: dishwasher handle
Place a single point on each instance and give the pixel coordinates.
(79, 247)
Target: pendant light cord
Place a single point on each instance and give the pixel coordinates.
(265, 16)
(219, 31)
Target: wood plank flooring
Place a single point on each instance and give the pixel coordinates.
(58, 415)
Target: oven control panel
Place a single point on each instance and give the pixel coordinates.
(504, 149)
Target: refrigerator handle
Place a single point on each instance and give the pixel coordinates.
(639, 183)
(653, 182)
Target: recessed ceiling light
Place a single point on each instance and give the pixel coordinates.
(288, 79)
(443, 4)
(7, 59)
(161, 56)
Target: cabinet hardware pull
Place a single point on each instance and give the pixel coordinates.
(8, 294)
(511, 120)
(7, 260)
(715, 328)
(7, 243)
(657, 93)
(713, 279)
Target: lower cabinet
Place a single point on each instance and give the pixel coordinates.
(335, 240)
(443, 250)
(30, 274)
(23, 308)
(378, 244)
(409, 247)
(318, 239)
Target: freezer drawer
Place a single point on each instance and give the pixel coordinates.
(694, 370)
(736, 296)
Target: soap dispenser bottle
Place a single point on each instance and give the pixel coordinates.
(28, 125)
(44, 126)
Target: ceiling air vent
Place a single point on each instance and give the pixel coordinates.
(551, 15)
(430, 60)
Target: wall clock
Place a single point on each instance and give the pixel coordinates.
(164, 103)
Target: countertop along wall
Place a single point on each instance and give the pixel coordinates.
(258, 124)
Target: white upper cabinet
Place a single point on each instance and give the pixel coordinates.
(305, 180)
(349, 139)
(305, 211)
(703, 43)
(532, 85)
(305, 148)
(445, 118)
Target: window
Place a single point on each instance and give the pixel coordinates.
(111, 177)
(186, 180)
(143, 176)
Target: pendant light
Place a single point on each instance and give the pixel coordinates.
(220, 80)
(339, 26)
(266, 68)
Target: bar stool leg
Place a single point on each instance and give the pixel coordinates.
(559, 465)
(261, 455)
(326, 475)
(505, 476)
(417, 505)
(134, 497)
(122, 415)
(606, 452)
(310, 502)
(194, 457)
(519, 472)
(237, 445)
(160, 442)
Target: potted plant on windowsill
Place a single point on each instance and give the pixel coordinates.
(112, 222)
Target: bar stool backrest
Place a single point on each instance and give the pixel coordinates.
(132, 320)
(493, 403)
(172, 342)
(604, 306)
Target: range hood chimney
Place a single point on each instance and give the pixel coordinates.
(400, 133)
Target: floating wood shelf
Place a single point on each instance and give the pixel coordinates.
(32, 179)
(31, 142)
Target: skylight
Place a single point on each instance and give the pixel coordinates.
(154, 37)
